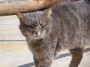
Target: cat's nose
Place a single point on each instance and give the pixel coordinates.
(36, 32)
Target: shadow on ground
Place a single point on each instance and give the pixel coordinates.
(27, 65)
(60, 56)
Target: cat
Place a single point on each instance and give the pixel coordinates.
(62, 26)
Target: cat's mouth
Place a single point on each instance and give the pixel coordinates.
(37, 35)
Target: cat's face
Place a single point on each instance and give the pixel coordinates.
(36, 25)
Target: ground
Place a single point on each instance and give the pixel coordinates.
(18, 55)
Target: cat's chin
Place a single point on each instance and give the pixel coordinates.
(35, 37)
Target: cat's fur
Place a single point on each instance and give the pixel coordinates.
(63, 26)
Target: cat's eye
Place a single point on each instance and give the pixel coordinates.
(41, 24)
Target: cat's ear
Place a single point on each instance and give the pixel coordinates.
(21, 17)
(48, 12)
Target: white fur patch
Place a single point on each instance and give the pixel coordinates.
(43, 34)
(39, 33)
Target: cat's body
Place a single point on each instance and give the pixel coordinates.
(63, 26)
(71, 24)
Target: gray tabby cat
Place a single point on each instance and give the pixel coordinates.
(62, 26)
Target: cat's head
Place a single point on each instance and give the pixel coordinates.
(36, 25)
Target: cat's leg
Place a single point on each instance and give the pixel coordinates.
(77, 55)
(45, 63)
(44, 59)
(36, 62)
